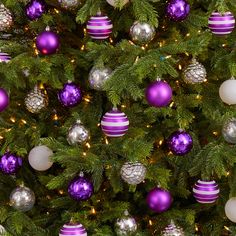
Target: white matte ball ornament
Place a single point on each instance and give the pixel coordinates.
(117, 3)
(227, 91)
(39, 158)
(230, 211)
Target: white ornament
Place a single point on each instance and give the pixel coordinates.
(2, 231)
(230, 207)
(227, 91)
(117, 3)
(39, 158)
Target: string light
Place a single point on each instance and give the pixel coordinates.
(148, 126)
(93, 211)
(224, 45)
(87, 98)
(123, 106)
(196, 228)
(198, 97)
(111, 40)
(227, 228)
(82, 47)
(13, 119)
(56, 10)
(227, 173)
(180, 67)
(150, 222)
(167, 57)
(61, 192)
(106, 141)
(188, 34)
(22, 121)
(171, 105)
(215, 133)
(98, 124)
(161, 142)
(88, 145)
(55, 117)
(1, 137)
(72, 60)
(84, 154)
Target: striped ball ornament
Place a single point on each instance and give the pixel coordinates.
(206, 191)
(115, 123)
(73, 229)
(99, 27)
(221, 24)
(4, 57)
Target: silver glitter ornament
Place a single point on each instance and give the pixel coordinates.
(133, 173)
(229, 130)
(172, 230)
(195, 73)
(2, 231)
(6, 20)
(98, 77)
(142, 32)
(36, 100)
(69, 4)
(22, 199)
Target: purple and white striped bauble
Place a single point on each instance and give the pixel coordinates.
(99, 27)
(115, 123)
(221, 24)
(71, 229)
(206, 191)
(4, 57)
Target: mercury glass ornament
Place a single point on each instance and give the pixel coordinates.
(229, 130)
(22, 199)
(172, 230)
(6, 20)
(69, 4)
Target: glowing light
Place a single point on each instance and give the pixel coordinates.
(161, 142)
(123, 106)
(106, 141)
(227, 173)
(196, 228)
(172, 104)
(111, 40)
(23, 121)
(188, 34)
(88, 145)
(180, 67)
(150, 222)
(61, 192)
(215, 133)
(84, 154)
(72, 60)
(82, 47)
(13, 119)
(227, 228)
(56, 10)
(93, 211)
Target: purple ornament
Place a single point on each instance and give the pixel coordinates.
(177, 10)
(35, 9)
(180, 143)
(70, 95)
(158, 94)
(47, 42)
(73, 229)
(10, 163)
(4, 57)
(221, 24)
(4, 99)
(80, 188)
(115, 123)
(159, 200)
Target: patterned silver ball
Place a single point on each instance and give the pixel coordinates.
(142, 33)
(2, 231)
(172, 230)
(22, 199)
(133, 173)
(69, 4)
(195, 73)
(6, 20)
(98, 77)
(229, 130)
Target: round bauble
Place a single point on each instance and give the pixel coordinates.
(229, 131)
(69, 4)
(22, 199)
(35, 9)
(77, 134)
(73, 229)
(2, 231)
(70, 95)
(4, 57)
(10, 163)
(177, 10)
(221, 24)
(117, 3)
(115, 123)
(4, 99)
(230, 207)
(133, 173)
(40, 158)
(227, 91)
(98, 77)
(159, 200)
(6, 20)
(158, 94)
(206, 191)
(172, 230)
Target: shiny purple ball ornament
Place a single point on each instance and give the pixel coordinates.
(70, 95)
(177, 10)
(35, 9)
(159, 200)
(4, 99)
(180, 143)
(10, 163)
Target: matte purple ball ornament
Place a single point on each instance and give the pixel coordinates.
(73, 229)
(4, 99)
(35, 9)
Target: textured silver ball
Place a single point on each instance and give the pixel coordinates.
(172, 230)
(22, 199)
(69, 4)
(142, 32)
(195, 73)
(98, 77)
(6, 20)
(133, 173)
(2, 231)
(36, 100)
(229, 130)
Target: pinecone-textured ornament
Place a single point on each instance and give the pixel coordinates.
(5, 18)
(195, 73)
(172, 230)
(36, 100)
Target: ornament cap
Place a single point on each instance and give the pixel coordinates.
(126, 213)
(47, 28)
(158, 78)
(81, 174)
(114, 108)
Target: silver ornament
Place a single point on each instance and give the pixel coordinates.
(229, 130)
(22, 199)
(117, 3)
(172, 230)
(77, 134)
(133, 173)
(98, 77)
(36, 100)
(69, 4)
(195, 73)
(142, 32)
(2, 231)
(6, 20)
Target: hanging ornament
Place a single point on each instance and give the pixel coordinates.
(221, 24)
(158, 94)
(35, 9)
(227, 91)
(195, 73)
(10, 163)
(70, 95)
(115, 123)
(126, 225)
(98, 77)
(4, 99)
(229, 131)
(73, 229)
(22, 199)
(99, 27)
(117, 3)
(6, 20)
(2, 231)
(69, 4)
(133, 173)
(40, 158)
(36, 100)
(172, 230)
(159, 200)
(230, 207)
(177, 10)
(206, 191)
(4, 57)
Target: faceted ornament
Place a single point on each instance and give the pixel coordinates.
(6, 20)
(172, 230)
(69, 4)
(229, 131)
(35, 9)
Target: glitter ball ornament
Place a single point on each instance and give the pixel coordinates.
(4, 99)
(10, 163)
(227, 91)
(221, 24)
(22, 199)
(6, 20)
(73, 229)
(133, 173)
(99, 27)
(142, 32)
(230, 207)
(172, 230)
(69, 4)
(35, 9)
(229, 130)
(194, 73)
(4, 57)
(206, 191)
(98, 77)
(117, 3)
(70, 95)
(115, 123)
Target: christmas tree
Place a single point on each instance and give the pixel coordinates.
(117, 117)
